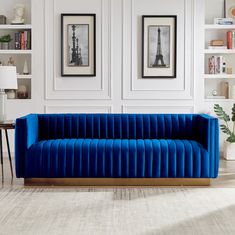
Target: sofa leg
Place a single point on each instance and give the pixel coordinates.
(116, 181)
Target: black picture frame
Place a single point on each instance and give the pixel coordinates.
(76, 70)
(152, 71)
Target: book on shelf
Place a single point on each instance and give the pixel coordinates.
(216, 65)
(17, 41)
(23, 40)
(231, 39)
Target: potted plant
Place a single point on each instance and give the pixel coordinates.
(4, 40)
(229, 149)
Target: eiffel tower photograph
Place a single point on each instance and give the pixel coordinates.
(159, 40)
(159, 46)
(78, 50)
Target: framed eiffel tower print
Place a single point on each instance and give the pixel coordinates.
(159, 35)
(78, 57)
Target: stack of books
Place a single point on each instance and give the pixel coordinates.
(216, 65)
(223, 21)
(23, 40)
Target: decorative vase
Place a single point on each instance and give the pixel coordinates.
(22, 92)
(4, 45)
(229, 151)
(25, 69)
(11, 94)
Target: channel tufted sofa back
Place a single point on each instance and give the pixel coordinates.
(117, 126)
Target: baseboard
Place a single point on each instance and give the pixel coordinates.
(117, 181)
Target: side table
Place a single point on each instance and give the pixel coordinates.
(5, 126)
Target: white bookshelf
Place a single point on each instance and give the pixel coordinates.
(212, 81)
(19, 56)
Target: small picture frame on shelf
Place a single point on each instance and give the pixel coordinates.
(78, 45)
(159, 46)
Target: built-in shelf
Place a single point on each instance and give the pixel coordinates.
(24, 76)
(219, 51)
(19, 56)
(11, 26)
(214, 76)
(220, 84)
(217, 26)
(19, 52)
(219, 100)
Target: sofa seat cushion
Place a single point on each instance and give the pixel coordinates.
(117, 158)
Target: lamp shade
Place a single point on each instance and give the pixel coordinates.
(8, 78)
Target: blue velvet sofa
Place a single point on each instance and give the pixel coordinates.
(111, 146)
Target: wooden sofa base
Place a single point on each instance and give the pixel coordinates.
(117, 181)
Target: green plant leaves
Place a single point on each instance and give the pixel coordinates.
(5, 38)
(231, 139)
(225, 129)
(225, 117)
(221, 114)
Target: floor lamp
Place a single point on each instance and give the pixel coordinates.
(8, 80)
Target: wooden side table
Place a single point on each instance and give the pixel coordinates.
(5, 126)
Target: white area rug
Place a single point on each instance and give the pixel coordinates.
(117, 211)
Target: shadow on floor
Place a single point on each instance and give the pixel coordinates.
(215, 223)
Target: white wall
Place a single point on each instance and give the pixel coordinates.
(118, 86)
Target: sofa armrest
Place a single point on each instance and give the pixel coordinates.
(26, 134)
(206, 131)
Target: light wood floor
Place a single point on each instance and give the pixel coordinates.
(119, 210)
(226, 177)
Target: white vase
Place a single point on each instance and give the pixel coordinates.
(25, 69)
(229, 151)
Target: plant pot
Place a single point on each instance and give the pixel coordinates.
(229, 151)
(4, 45)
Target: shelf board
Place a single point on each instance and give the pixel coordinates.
(217, 26)
(219, 51)
(19, 52)
(219, 100)
(216, 76)
(24, 76)
(18, 100)
(11, 26)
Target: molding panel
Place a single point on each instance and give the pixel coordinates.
(134, 87)
(157, 109)
(78, 109)
(58, 87)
